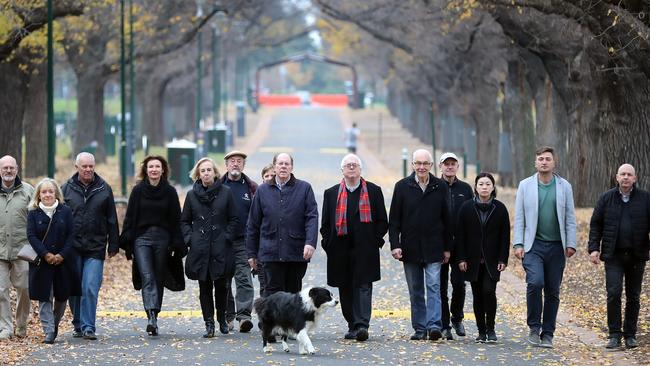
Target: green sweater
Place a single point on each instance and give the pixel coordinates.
(548, 226)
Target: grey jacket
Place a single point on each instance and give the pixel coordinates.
(526, 208)
(13, 219)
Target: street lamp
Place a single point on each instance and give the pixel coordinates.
(199, 70)
(51, 139)
(216, 72)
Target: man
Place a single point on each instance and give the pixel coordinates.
(459, 192)
(95, 226)
(353, 227)
(420, 238)
(618, 235)
(544, 234)
(282, 228)
(352, 138)
(14, 199)
(243, 189)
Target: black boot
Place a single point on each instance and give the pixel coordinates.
(152, 325)
(223, 324)
(209, 328)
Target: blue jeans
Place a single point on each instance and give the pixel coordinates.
(425, 315)
(84, 307)
(544, 265)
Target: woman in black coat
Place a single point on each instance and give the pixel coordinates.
(56, 277)
(152, 232)
(208, 222)
(482, 244)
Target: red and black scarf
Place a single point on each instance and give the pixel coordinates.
(342, 207)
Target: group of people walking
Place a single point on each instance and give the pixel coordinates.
(440, 228)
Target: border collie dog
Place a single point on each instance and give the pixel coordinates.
(292, 314)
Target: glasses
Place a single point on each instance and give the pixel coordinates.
(422, 163)
(350, 166)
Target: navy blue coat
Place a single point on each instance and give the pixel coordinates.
(282, 222)
(64, 278)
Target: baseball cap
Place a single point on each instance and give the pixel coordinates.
(448, 155)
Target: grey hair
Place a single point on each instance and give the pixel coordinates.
(354, 156)
(423, 150)
(82, 155)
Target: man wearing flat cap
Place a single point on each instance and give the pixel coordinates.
(243, 189)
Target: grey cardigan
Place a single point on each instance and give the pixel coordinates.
(526, 208)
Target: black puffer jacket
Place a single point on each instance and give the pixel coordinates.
(419, 221)
(606, 217)
(95, 219)
(208, 222)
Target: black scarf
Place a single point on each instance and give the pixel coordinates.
(154, 192)
(206, 194)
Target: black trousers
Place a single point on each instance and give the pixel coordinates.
(150, 251)
(283, 276)
(485, 300)
(356, 305)
(617, 268)
(457, 294)
(220, 298)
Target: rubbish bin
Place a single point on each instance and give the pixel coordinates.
(216, 139)
(241, 119)
(110, 133)
(181, 155)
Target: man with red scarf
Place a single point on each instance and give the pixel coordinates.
(354, 223)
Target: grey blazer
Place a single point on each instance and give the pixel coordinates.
(526, 208)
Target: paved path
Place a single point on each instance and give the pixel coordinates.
(314, 137)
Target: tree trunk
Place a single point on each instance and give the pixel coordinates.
(90, 113)
(12, 105)
(516, 112)
(35, 122)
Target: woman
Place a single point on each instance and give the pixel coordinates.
(56, 278)
(152, 231)
(482, 244)
(268, 175)
(208, 222)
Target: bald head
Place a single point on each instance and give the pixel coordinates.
(8, 170)
(626, 177)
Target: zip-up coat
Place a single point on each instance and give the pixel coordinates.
(419, 221)
(490, 241)
(282, 222)
(208, 222)
(605, 221)
(95, 218)
(64, 278)
(13, 219)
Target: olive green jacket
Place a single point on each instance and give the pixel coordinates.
(13, 219)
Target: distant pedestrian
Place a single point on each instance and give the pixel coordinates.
(544, 236)
(282, 228)
(95, 225)
(56, 277)
(352, 138)
(353, 227)
(243, 189)
(618, 236)
(209, 223)
(419, 237)
(459, 192)
(482, 250)
(15, 196)
(151, 232)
